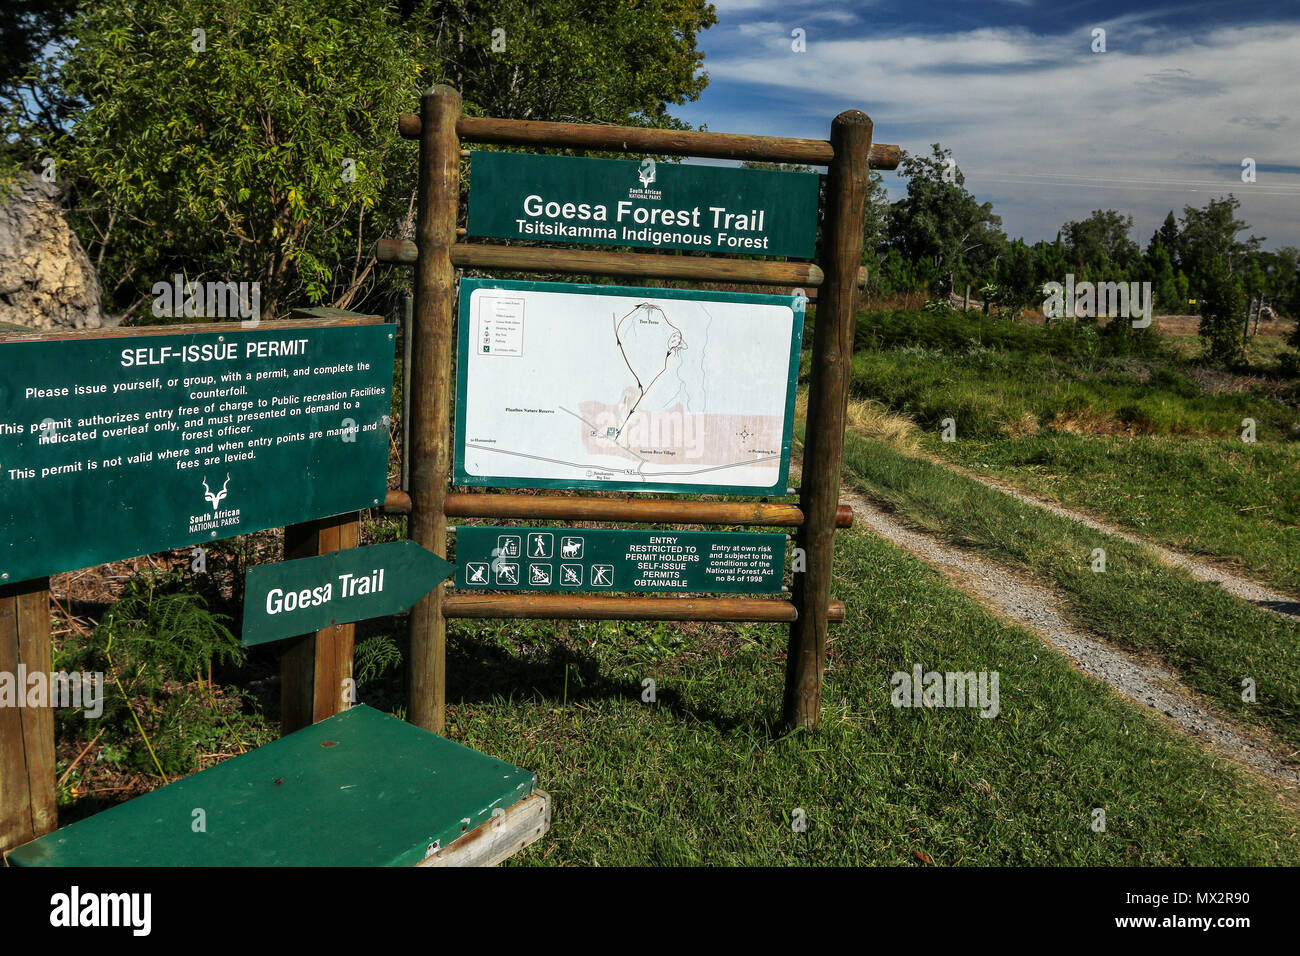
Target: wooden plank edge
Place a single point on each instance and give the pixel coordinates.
(498, 838)
(120, 332)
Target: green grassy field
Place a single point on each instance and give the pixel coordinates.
(699, 776)
(1126, 427)
(1237, 504)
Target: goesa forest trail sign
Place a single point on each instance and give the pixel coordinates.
(580, 386)
(114, 447)
(620, 202)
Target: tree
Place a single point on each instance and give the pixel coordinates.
(1164, 286)
(602, 61)
(941, 224)
(1211, 233)
(1223, 305)
(1016, 279)
(265, 149)
(1169, 237)
(32, 111)
(1100, 243)
(258, 151)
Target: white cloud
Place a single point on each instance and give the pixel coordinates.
(1020, 108)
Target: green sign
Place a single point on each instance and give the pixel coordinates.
(562, 385)
(114, 447)
(619, 202)
(586, 559)
(303, 596)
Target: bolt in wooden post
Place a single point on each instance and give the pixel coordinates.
(828, 390)
(313, 667)
(438, 199)
(28, 805)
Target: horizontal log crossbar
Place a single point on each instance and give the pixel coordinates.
(638, 510)
(635, 264)
(581, 607)
(635, 139)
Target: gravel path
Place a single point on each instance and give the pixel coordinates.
(1256, 594)
(1039, 609)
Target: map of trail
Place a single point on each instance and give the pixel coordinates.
(624, 390)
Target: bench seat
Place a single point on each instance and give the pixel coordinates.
(361, 788)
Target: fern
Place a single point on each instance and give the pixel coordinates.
(160, 637)
(375, 657)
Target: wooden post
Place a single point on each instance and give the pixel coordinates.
(313, 667)
(28, 804)
(438, 200)
(828, 390)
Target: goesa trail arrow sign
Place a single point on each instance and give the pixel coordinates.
(622, 202)
(562, 385)
(300, 597)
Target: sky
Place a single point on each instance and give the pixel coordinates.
(1041, 125)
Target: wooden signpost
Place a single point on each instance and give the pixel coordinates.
(654, 390)
(440, 128)
(121, 442)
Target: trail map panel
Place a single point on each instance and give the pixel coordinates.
(619, 202)
(114, 447)
(601, 559)
(564, 385)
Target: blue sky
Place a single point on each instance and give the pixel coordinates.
(1040, 124)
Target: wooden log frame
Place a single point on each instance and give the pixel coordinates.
(828, 392)
(642, 265)
(315, 667)
(849, 155)
(28, 803)
(637, 510)
(598, 607)
(437, 203)
(635, 139)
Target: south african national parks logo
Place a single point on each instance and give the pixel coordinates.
(217, 517)
(646, 173)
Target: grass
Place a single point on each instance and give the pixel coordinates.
(1120, 424)
(699, 776)
(1235, 503)
(1138, 603)
(998, 378)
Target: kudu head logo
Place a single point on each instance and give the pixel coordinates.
(217, 498)
(647, 172)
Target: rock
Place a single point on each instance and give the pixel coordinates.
(46, 279)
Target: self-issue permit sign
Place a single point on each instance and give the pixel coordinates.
(114, 447)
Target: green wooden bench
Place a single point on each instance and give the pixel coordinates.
(357, 789)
